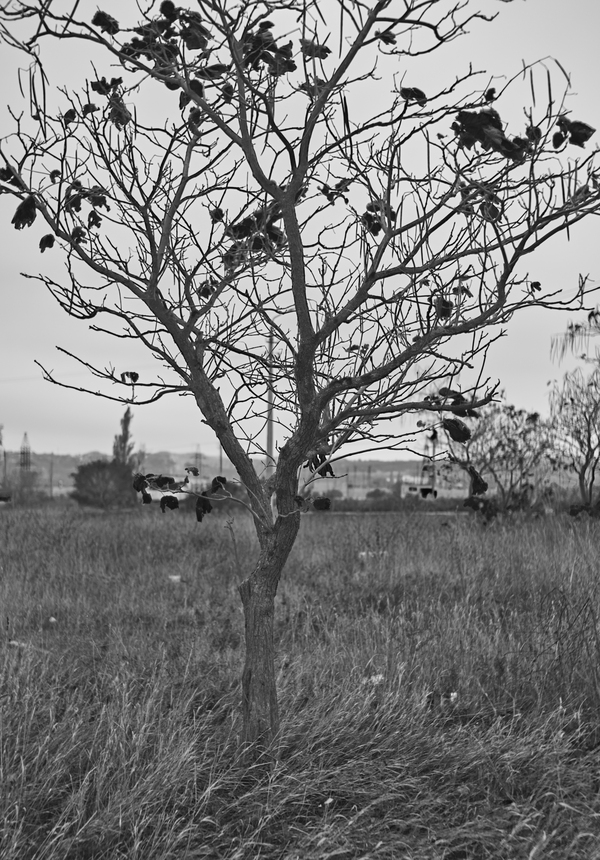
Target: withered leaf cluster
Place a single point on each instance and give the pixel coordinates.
(456, 429)
(168, 485)
(574, 131)
(485, 127)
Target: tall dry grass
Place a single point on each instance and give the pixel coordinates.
(440, 694)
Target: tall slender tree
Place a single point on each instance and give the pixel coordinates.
(123, 445)
(242, 171)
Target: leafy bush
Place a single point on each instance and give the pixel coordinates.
(104, 484)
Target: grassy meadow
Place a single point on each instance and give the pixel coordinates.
(440, 693)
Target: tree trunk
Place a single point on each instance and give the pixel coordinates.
(585, 492)
(260, 713)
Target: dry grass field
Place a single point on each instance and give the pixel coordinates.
(440, 694)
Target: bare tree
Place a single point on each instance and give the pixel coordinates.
(253, 172)
(575, 416)
(510, 449)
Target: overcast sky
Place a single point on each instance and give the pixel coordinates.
(32, 324)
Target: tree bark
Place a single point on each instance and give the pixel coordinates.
(260, 712)
(584, 490)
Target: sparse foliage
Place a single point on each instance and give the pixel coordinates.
(235, 184)
(575, 418)
(509, 449)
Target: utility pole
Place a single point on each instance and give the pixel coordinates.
(270, 461)
(25, 455)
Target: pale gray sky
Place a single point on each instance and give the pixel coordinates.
(32, 324)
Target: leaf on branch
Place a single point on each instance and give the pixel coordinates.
(535, 287)
(443, 307)
(218, 484)
(7, 175)
(313, 88)
(577, 132)
(310, 48)
(194, 119)
(118, 115)
(463, 411)
(169, 502)
(70, 116)
(322, 504)
(212, 73)
(104, 87)
(243, 229)
(216, 214)
(168, 10)
(193, 470)
(203, 506)
(78, 235)
(97, 196)
(227, 92)
(317, 462)
(89, 108)
(478, 485)
(386, 36)
(558, 139)
(260, 49)
(162, 481)
(94, 220)
(490, 211)
(130, 375)
(490, 95)
(534, 134)
(46, 241)
(26, 213)
(206, 289)
(372, 222)
(456, 429)
(106, 23)
(194, 34)
(146, 498)
(413, 94)
(449, 392)
(234, 257)
(139, 482)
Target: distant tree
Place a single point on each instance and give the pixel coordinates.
(577, 336)
(509, 448)
(103, 484)
(377, 493)
(123, 445)
(575, 417)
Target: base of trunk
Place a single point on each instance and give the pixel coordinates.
(260, 712)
